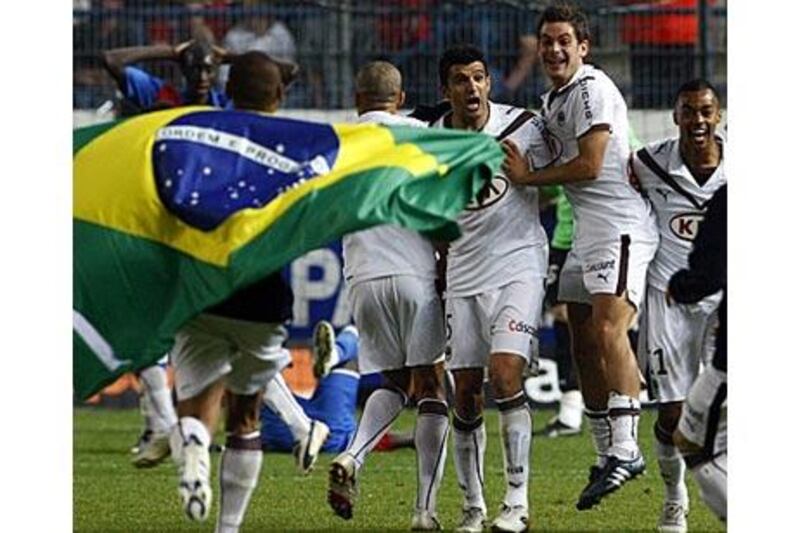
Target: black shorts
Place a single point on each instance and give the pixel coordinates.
(556, 262)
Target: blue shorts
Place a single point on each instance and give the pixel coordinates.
(333, 402)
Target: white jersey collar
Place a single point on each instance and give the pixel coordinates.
(676, 166)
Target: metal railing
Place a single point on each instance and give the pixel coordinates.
(646, 47)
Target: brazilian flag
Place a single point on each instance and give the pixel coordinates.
(175, 210)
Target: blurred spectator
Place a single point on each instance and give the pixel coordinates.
(662, 43)
(208, 19)
(96, 31)
(198, 60)
(259, 30)
(508, 89)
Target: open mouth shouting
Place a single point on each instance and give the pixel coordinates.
(473, 104)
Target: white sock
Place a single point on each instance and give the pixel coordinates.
(570, 409)
(160, 408)
(281, 401)
(381, 409)
(673, 469)
(469, 443)
(601, 434)
(712, 477)
(239, 469)
(623, 415)
(430, 441)
(515, 432)
(188, 430)
(144, 407)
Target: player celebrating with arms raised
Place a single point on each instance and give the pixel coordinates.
(603, 277)
(679, 175)
(495, 287)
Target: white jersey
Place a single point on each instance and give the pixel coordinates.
(502, 236)
(679, 202)
(607, 205)
(387, 250)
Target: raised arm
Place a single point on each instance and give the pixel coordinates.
(117, 59)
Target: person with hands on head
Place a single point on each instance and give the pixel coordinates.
(199, 61)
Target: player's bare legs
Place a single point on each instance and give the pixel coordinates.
(612, 317)
(380, 410)
(505, 375)
(612, 369)
(240, 464)
(591, 377)
(430, 441)
(469, 441)
(189, 441)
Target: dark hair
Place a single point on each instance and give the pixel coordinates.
(253, 81)
(462, 54)
(566, 12)
(697, 84)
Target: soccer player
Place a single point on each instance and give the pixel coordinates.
(390, 274)
(233, 349)
(702, 430)
(679, 176)
(334, 399)
(495, 287)
(615, 238)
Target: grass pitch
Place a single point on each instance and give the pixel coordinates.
(111, 495)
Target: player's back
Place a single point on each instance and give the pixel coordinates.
(678, 200)
(501, 231)
(387, 250)
(607, 203)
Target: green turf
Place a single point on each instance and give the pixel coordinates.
(111, 495)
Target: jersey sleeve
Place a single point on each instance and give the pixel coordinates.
(141, 88)
(592, 106)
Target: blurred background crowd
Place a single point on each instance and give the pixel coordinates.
(648, 47)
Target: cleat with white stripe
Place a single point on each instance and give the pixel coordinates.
(611, 477)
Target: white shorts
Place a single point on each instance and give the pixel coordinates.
(612, 266)
(505, 319)
(674, 341)
(210, 347)
(704, 419)
(400, 322)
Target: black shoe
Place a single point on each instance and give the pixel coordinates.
(556, 428)
(611, 477)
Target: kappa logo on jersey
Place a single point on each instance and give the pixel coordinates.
(685, 225)
(490, 194)
(561, 118)
(519, 326)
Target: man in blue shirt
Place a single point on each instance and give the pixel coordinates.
(199, 62)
